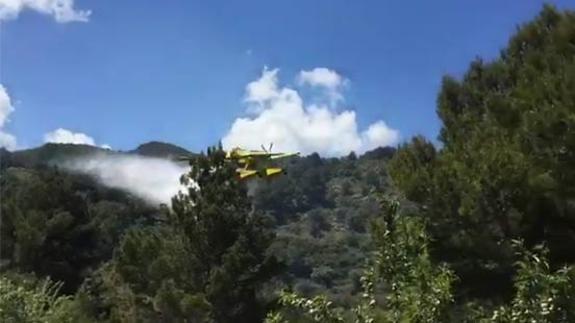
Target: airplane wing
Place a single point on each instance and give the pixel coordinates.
(243, 153)
(250, 153)
(244, 173)
(281, 155)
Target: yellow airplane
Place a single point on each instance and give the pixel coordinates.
(256, 162)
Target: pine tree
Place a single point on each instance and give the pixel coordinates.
(505, 168)
(207, 262)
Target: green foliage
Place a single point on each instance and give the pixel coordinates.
(61, 225)
(365, 310)
(416, 290)
(52, 154)
(318, 309)
(22, 302)
(207, 262)
(302, 189)
(542, 294)
(505, 168)
(324, 240)
(411, 168)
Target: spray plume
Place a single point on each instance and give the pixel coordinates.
(155, 180)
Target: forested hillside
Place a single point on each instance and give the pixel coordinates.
(477, 228)
(322, 210)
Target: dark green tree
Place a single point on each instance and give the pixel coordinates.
(207, 262)
(58, 224)
(505, 168)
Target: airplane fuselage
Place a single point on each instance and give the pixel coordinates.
(255, 163)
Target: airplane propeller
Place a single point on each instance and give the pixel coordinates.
(269, 150)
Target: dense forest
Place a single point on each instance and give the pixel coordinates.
(476, 226)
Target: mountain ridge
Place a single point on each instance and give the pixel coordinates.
(53, 153)
(160, 149)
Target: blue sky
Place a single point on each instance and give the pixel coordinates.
(177, 71)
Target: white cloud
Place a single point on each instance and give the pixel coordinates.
(377, 133)
(262, 90)
(153, 179)
(6, 107)
(284, 119)
(326, 79)
(7, 140)
(321, 76)
(65, 136)
(62, 10)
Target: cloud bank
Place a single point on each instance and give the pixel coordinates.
(7, 140)
(152, 179)
(62, 10)
(279, 115)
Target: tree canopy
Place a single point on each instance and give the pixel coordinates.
(505, 166)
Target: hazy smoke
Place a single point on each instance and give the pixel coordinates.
(153, 179)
